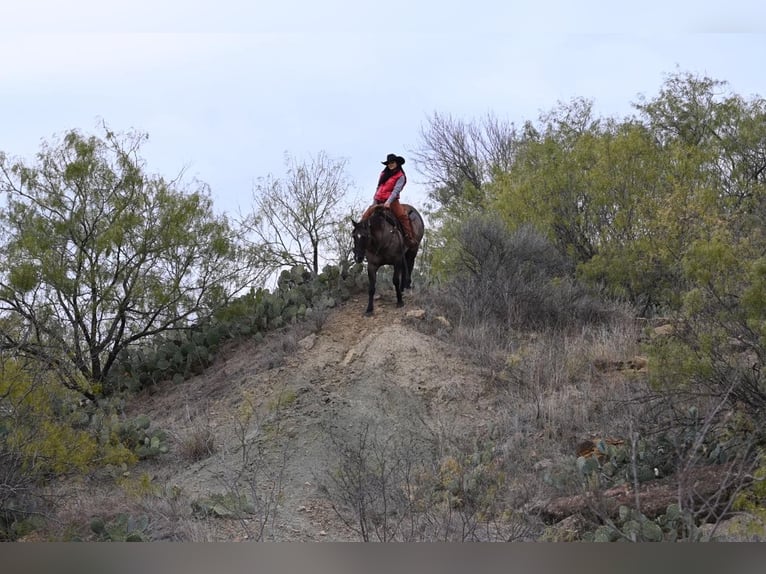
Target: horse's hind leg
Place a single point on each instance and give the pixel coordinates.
(398, 281)
(410, 263)
(372, 272)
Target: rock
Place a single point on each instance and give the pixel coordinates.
(637, 364)
(308, 342)
(664, 330)
(416, 314)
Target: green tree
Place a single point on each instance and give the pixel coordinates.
(704, 197)
(551, 185)
(622, 204)
(97, 255)
(701, 113)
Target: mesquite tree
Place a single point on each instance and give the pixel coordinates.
(96, 255)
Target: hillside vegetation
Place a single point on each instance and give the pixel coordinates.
(580, 358)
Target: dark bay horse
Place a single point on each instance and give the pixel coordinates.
(379, 238)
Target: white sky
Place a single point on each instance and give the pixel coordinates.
(225, 88)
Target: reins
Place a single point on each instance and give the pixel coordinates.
(395, 226)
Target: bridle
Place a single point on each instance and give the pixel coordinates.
(361, 239)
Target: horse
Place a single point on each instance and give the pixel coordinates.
(380, 239)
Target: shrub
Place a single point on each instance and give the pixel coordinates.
(515, 279)
(40, 436)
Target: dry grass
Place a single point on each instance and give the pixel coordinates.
(550, 396)
(156, 511)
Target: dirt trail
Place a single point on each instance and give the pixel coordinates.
(354, 368)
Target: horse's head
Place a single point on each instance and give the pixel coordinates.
(361, 236)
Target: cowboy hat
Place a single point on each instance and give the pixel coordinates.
(393, 157)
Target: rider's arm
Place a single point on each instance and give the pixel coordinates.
(395, 193)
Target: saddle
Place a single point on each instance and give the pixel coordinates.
(389, 216)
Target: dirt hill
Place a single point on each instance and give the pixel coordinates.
(269, 415)
(303, 436)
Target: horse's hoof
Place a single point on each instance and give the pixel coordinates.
(400, 304)
(368, 313)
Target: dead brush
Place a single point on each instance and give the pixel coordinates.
(197, 444)
(197, 441)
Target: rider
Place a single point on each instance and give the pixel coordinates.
(390, 183)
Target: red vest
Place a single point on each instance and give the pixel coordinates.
(384, 191)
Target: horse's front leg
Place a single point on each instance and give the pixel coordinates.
(372, 271)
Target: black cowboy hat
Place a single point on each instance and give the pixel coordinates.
(393, 157)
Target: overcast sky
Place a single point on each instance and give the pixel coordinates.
(224, 88)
